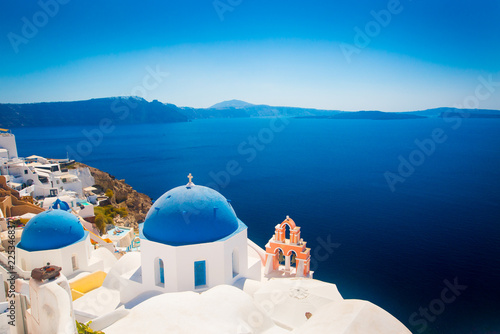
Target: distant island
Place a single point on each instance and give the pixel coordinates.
(136, 110)
(231, 104)
(120, 110)
(373, 115)
(477, 114)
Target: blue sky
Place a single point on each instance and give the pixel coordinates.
(424, 54)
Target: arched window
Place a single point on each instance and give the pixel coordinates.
(159, 273)
(279, 258)
(236, 262)
(74, 262)
(287, 229)
(293, 260)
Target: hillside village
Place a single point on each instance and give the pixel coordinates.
(83, 252)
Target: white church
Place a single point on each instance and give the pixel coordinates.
(196, 272)
(192, 240)
(58, 237)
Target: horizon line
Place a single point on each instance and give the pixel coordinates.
(253, 104)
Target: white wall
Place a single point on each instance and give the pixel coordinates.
(72, 186)
(8, 141)
(61, 257)
(179, 263)
(87, 211)
(51, 307)
(4, 154)
(28, 191)
(84, 175)
(239, 243)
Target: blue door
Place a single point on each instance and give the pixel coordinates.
(200, 273)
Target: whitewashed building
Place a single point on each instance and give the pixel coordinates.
(58, 237)
(197, 272)
(8, 147)
(192, 240)
(36, 176)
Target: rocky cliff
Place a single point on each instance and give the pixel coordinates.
(124, 196)
(115, 110)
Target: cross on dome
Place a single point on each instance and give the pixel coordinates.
(190, 177)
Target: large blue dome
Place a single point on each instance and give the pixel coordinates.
(189, 215)
(51, 229)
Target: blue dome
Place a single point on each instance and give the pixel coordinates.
(61, 205)
(51, 229)
(189, 215)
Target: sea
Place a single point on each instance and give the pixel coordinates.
(402, 213)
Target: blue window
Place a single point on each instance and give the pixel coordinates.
(162, 273)
(159, 273)
(200, 273)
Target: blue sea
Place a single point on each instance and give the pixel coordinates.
(404, 213)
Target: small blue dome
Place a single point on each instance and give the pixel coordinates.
(61, 205)
(51, 229)
(189, 215)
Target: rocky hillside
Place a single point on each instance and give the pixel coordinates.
(115, 110)
(124, 196)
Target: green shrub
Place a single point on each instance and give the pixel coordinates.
(104, 215)
(101, 221)
(85, 329)
(122, 212)
(109, 193)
